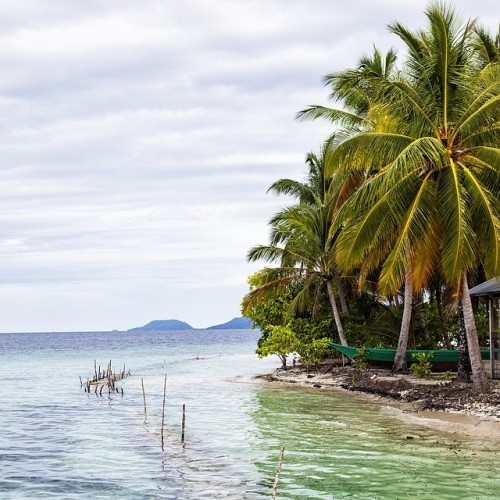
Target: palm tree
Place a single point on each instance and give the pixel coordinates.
(430, 204)
(302, 242)
(363, 113)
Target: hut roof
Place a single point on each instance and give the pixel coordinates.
(489, 288)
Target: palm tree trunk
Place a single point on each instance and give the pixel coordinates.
(400, 358)
(442, 321)
(464, 369)
(340, 288)
(335, 311)
(478, 375)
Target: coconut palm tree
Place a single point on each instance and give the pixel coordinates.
(302, 242)
(431, 204)
(363, 113)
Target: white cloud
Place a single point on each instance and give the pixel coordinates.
(138, 139)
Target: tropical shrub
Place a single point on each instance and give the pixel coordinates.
(314, 351)
(361, 358)
(422, 367)
(281, 341)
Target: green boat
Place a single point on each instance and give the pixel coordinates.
(441, 358)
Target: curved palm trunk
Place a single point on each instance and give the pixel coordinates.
(340, 289)
(478, 375)
(335, 311)
(400, 358)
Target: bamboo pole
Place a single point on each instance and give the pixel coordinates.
(183, 422)
(278, 470)
(163, 411)
(144, 399)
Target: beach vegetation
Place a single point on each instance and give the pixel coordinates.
(422, 367)
(361, 358)
(427, 145)
(302, 245)
(402, 203)
(314, 351)
(281, 341)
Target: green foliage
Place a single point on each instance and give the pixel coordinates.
(482, 321)
(422, 367)
(308, 331)
(314, 351)
(270, 310)
(280, 341)
(283, 341)
(361, 358)
(409, 181)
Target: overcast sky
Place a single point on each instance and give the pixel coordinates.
(138, 139)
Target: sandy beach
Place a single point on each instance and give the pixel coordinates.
(447, 405)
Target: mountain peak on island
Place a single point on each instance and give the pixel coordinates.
(164, 324)
(234, 324)
(175, 324)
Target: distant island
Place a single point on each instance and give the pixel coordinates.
(175, 324)
(234, 324)
(163, 324)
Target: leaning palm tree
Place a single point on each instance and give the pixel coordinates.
(323, 193)
(432, 204)
(302, 242)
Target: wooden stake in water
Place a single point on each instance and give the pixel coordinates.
(278, 470)
(144, 399)
(163, 410)
(183, 422)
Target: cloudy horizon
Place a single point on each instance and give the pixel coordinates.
(138, 140)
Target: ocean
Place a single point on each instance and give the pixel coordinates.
(58, 441)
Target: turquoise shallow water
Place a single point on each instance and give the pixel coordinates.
(58, 442)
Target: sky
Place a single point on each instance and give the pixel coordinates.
(138, 140)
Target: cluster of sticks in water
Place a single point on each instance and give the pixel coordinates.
(105, 378)
(108, 377)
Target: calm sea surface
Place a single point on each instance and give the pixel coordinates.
(56, 441)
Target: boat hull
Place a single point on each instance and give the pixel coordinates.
(441, 360)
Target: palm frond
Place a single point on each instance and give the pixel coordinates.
(458, 252)
(337, 116)
(367, 152)
(293, 188)
(485, 217)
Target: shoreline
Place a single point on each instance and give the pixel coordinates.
(444, 405)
